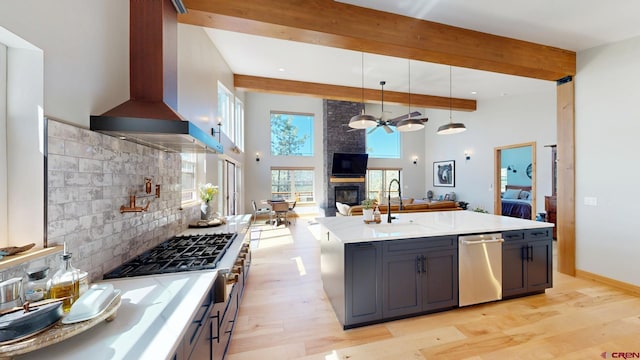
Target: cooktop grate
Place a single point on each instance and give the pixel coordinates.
(180, 253)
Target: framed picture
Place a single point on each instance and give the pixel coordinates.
(444, 173)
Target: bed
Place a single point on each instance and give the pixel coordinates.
(516, 201)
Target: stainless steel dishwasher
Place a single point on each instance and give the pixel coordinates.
(479, 268)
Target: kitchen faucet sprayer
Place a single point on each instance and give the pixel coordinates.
(389, 199)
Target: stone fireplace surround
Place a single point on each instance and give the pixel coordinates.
(336, 138)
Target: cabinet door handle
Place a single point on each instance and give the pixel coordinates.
(418, 264)
(531, 252)
(424, 264)
(367, 244)
(524, 253)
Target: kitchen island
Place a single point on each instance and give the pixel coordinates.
(379, 272)
(165, 316)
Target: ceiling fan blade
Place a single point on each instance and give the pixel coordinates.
(385, 115)
(372, 130)
(387, 129)
(402, 117)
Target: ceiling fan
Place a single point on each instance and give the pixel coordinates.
(407, 122)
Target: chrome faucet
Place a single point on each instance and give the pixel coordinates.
(389, 199)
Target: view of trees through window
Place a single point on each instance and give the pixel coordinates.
(291, 134)
(378, 183)
(292, 184)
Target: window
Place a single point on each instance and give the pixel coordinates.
(503, 179)
(292, 184)
(225, 110)
(189, 178)
(239, 125)
(380, 144)
(291, 134)
(378, 183)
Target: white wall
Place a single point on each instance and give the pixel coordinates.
(498, 122)
(85, 46)
(200, 67)
(607, 86)
(258, 109)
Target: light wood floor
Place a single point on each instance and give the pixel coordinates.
(285, 315)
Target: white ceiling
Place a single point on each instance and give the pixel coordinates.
(570, 24)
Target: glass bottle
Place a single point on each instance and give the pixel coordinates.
(65, 283)
(38, 284)
(83, 279)
(376, 215)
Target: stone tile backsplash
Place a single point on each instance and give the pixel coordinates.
(90, 175)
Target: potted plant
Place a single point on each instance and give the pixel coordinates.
(208, 193)
(480, 210)
(367, 209)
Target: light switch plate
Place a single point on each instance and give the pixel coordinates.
(590, 201)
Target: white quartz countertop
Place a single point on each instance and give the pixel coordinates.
(352, 229)
(150, 323)
(154, 313)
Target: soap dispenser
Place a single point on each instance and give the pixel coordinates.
(65, 283)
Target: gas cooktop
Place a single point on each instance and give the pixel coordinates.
(180, 253)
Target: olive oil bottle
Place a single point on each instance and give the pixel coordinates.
(65, 283)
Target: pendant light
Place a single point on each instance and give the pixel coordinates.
(410, 124)
(451, 127)
(362, 121)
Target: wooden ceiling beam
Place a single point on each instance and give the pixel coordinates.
(339, 25)
(346, 93)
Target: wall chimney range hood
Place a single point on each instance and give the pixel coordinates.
(148, 117)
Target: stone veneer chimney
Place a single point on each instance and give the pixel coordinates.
(336, 138)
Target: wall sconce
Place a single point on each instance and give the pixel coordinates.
(214, 131)
(467, 155)
(415, 160)
(257, 156)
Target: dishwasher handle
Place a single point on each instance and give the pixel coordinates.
(483, 241)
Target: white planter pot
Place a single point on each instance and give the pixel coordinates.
(367, 214)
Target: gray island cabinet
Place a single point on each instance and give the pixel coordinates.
(379, 272)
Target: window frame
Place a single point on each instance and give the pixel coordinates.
(381, 194)
(293, 194)
(226, 107)
(239, 123)
(310, 142)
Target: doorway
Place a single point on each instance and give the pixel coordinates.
(515, 180)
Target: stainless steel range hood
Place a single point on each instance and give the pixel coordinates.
(148, 117)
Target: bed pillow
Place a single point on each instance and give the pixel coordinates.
(511, 194)
(524, 195)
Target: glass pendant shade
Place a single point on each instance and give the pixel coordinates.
(410, 125)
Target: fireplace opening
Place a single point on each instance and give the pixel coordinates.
(349, 195)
